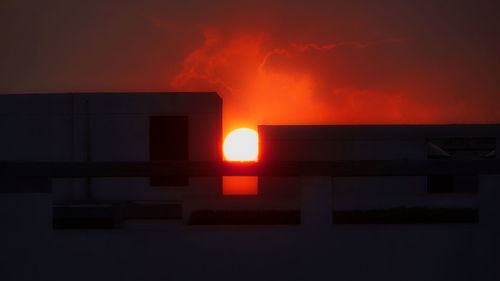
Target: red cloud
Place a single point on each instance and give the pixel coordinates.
(262, 83)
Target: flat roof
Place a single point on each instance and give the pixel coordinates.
(110, 102)
(339, 132)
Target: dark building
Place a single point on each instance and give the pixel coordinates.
(382, 225)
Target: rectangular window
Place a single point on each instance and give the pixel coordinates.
(81, 215)
(407, 215)
(169, 141)
(96, 216)
(439, 184)
(448, 184)
(244, 217)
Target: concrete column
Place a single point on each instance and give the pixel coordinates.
(489, 202)
(25, 235)
(316, 202)
(489, 227)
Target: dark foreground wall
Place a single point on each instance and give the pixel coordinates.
(32, 250)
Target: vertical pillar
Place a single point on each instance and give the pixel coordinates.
(489, 202)
(26, 228)
(80, 139)
(316, 202)
(489, 227)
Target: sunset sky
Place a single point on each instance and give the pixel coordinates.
(272, 62)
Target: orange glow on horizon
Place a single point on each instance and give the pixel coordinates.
(241, 145)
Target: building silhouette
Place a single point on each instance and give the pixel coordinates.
(123, 186)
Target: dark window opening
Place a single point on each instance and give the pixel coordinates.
(78, 215)
(155, 211)
(83, 223)
(449, 184)
(169, 141)
(438, 184)
(404, 215)
(83, 217)
(169, 181)
(244, 217)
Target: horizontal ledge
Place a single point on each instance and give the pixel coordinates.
(348, 168)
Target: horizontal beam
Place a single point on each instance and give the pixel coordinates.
(348, 168)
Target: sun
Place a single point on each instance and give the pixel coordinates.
(241, 145)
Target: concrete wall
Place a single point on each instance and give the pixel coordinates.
(314, 250)
(367, 142)
(31, 250)
(389, 192)
(104, 127)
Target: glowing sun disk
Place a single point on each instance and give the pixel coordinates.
(241, 145)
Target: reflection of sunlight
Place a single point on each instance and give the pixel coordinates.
(241, 145)
(238, 185)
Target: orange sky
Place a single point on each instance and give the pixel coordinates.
(273, 62)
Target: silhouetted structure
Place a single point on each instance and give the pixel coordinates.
(128, 186)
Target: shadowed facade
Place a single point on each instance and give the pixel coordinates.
(128, 186)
